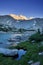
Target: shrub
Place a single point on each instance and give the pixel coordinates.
(36, 37)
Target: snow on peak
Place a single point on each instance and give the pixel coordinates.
(30, 18)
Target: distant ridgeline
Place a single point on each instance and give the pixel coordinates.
(32, 24)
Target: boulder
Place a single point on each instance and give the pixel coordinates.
(8, 52)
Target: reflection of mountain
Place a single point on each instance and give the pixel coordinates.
(26, 24)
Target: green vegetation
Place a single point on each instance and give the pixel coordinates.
(31, 54)
(36, 37)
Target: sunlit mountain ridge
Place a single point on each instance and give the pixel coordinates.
(19, 17)
(25, 23)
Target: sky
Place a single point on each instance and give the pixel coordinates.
(29, 8)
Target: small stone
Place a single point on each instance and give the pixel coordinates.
(36, 63)
(33, 41)
(30, 62)
(41, 53)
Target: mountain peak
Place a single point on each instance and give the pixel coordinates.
(19, 17)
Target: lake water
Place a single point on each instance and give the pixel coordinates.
(16, 37)
(4, 37)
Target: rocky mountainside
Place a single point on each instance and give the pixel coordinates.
(33, 23)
